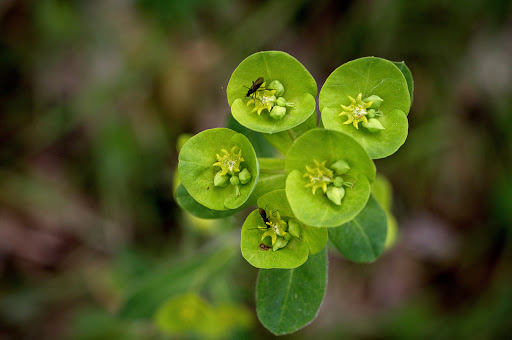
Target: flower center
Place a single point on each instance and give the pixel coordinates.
(329, 179)
(229, 162)
(319, 176)
(356, 111)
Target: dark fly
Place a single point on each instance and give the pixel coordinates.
(263, 214)
(255, 86)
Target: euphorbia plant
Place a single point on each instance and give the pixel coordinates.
(321, 189)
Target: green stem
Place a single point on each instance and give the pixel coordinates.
(271, 165)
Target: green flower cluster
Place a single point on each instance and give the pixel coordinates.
(326, 176)
(270, 99)
(230, 172)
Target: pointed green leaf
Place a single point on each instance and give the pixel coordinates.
(363, 238)
(408, 77)
(289, 299)
(382, 191)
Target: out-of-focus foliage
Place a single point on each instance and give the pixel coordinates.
(93, 96)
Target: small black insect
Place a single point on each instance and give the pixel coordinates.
(263, 214)
(255, 86)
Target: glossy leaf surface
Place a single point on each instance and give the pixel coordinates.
(289, 299)
(408, 77)
(363, 238)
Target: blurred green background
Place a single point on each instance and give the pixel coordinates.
(93, 96)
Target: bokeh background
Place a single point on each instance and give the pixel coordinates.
(93, 97)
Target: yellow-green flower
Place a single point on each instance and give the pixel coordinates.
(319, 176)
(275, 226)
(356, 112)
(262, 100)
(229, 162)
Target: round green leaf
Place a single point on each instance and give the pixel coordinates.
(289, 299)
(276, 201)
(266, 183)
(197, 172)
(188, 203)
(315, 237)
(300, 89)
(317, 210)
(368, 76)
(363, 238)
(330, 146)
(304, 108)
(378, 145)
(293, 255)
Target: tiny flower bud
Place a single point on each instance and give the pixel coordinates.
(220, 180)
(244, 176)
(340, 167)
(371, 113)
(373, 125)
(276, 85)
(335, 194)
(234, 180)
(280, 243)
(376, 101)
(338, 182)
(281, 101)
(278, 112)
(280, 230)
(294, 228)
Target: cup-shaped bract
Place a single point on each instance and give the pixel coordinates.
(304, 240)
(343, 106)
(218, 153)
(299, 93)
(311, 164)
